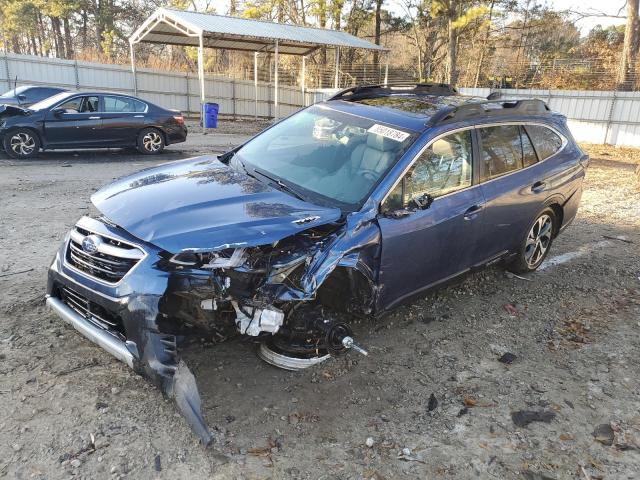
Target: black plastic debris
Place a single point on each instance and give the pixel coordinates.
(508, 358)
(463, 411)
(522, 418)
(157, 463)
(433, 403)
(604, 434)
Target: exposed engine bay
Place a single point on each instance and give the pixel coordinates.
(296, 296)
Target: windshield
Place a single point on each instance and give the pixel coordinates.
(326, 155)
(49, 102)
(11, 93)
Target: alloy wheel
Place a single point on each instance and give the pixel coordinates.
(22, 144)
(152, 142)
(538, 240)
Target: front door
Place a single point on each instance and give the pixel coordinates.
(426, 245)
(74, 123)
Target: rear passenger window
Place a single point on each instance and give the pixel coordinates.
(545, 140)
(123, 104)
(528, 153)
(501, 150)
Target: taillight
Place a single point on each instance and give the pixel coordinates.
(179, 119)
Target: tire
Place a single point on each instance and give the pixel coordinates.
(21, 143)
(150, 141)
(536, 244)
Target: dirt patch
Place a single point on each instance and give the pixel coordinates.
(434, 399)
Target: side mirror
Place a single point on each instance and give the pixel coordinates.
(57, 112)
(22, 97)
(423, 201)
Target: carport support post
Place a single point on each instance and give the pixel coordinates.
(133, 69)
(201, 77)
(275, 98)
(255, 83)
(337, 77)
(386, 70)
(304, 73)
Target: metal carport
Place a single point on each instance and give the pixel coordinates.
(177, 27)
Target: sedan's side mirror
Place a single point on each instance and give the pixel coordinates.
(22, 97)
(58, 112)
(423, 201)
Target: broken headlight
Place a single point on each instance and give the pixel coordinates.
(189, 259)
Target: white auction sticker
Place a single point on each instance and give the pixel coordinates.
(388, 132)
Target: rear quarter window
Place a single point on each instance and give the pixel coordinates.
(545, 140)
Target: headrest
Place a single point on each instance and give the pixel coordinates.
(381, 143)
(442, 148)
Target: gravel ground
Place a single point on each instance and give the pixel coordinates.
(441, 395)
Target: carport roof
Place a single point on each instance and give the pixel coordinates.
(176, 27)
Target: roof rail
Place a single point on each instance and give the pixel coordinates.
(532, 106)
(385, 89)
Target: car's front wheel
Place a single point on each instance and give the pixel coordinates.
(150, 141)
(21, 143)
(536, 244)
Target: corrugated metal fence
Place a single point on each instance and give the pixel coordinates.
(594, 116)
(180, 91)
(597, 117)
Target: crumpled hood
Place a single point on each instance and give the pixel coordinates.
(201, 204)
(7, 110)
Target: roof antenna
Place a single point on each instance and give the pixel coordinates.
(15, 85)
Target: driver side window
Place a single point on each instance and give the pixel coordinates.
(442, 168)
(80, 105)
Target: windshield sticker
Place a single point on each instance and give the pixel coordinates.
(392, 133)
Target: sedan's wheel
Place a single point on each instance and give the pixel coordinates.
(537, 243)
(21, 143)
(150, 141)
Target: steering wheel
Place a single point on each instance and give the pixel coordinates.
(369, 175)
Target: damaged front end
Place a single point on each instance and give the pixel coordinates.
(137, 283)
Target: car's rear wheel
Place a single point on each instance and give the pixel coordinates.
(536, 244)
(150, 141)
(21, 143)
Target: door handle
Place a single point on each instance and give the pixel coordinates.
(538, 187)
(472, 212)
(94, 118)
(138, 116)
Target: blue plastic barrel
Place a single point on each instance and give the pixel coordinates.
(210, 114)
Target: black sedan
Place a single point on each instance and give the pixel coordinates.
(89, 120)
(26, 95)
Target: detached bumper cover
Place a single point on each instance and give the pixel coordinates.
(142, 343)
(102, 338)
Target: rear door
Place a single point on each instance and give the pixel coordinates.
(74, 123)
(425, 246)
(513, 185)
(122, 119)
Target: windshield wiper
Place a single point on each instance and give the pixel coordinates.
(246, 170)
(281, 184)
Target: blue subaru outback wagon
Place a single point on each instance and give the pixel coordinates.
(344, 209)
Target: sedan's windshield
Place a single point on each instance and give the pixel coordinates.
(327, 155)
(51, 101)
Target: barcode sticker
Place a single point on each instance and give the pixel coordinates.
(388, 132)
